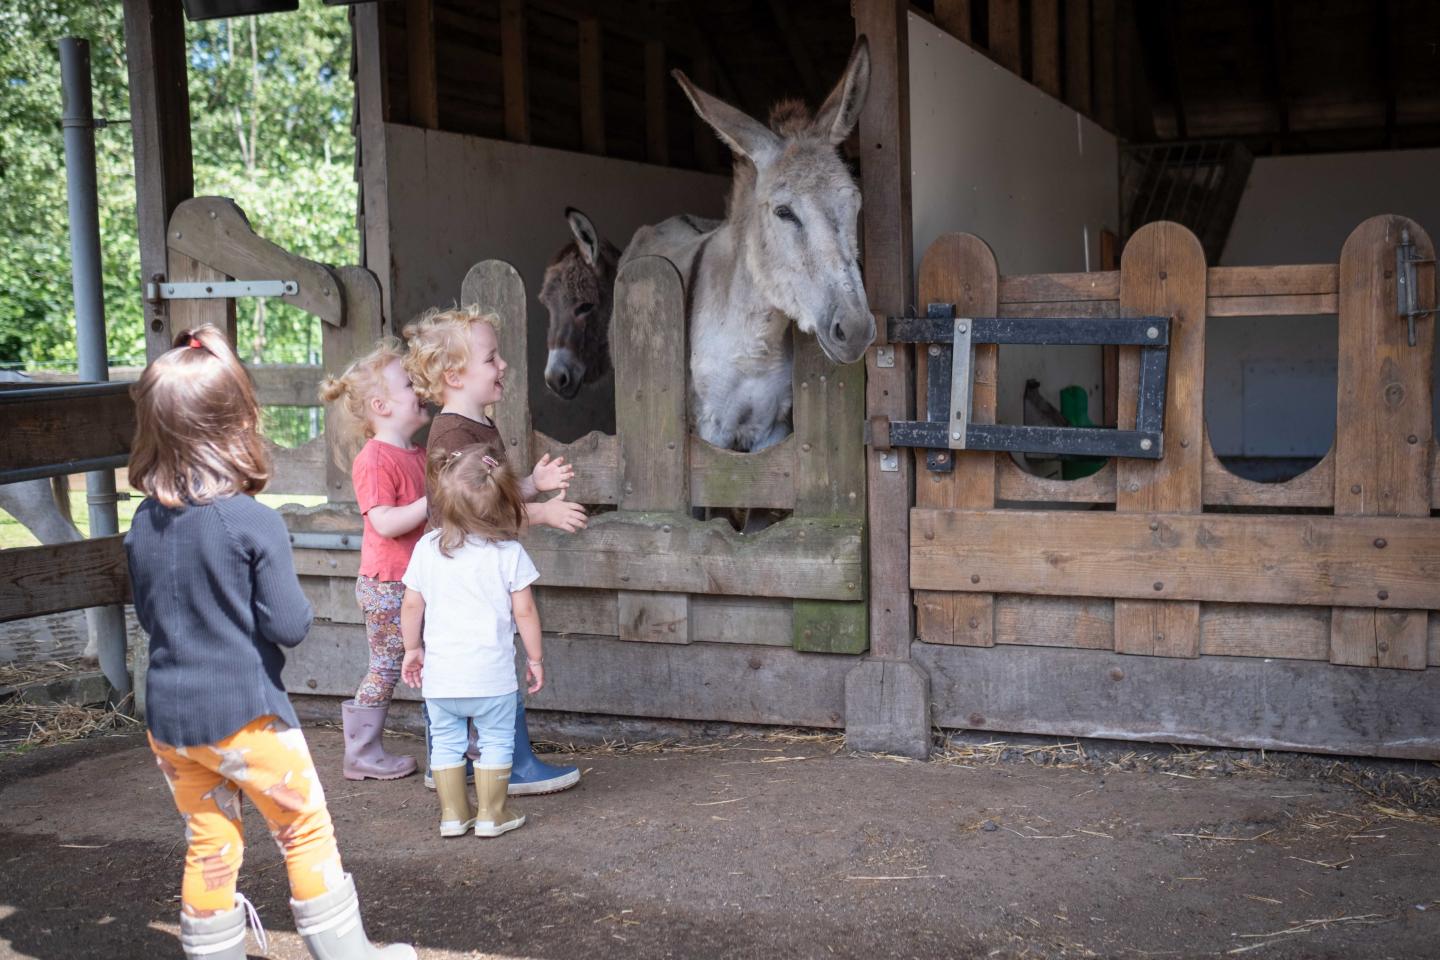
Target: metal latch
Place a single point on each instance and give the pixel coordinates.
(220, 289)
(1407, 289)
(950, 387)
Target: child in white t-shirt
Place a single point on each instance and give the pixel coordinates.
(469, 584)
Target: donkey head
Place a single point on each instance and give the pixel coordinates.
(578, 290)
(796, 206)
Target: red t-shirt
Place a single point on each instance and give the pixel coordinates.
(386, 476)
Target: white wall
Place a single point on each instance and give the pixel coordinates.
(994, 156)
(456, 200)
(1271, 382)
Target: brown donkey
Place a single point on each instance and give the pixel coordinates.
(579, 291)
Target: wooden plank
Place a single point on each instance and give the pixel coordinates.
(299, 470)
(62, 576)
(828, 448)
(1287, 305)
(1162, 272)
(759, 620)
(286, 384)
(371, 96)
(651, 423)
(727, 478)
(1103, 61)
(65, 429)
(1077, 54)
(215, 232)
(1313, 488)
(1259, 630)
(797, 558)
(657, 126)
(1059, 287)
(155, 52)
(495, 286)
(189, 314)
(1383, 426)
(1273, 281)
(360, 293)
(1018, 486)
(960, 269)
(1222, 283)
(1045, 45)
(953, 16)
(592, 86)
(420, 64)
(1216, 701)
(889, 263)
(1074, 309)
(1055, 622)
(597, 464)
(1004, 43)
(1312, 560)
(515, 70)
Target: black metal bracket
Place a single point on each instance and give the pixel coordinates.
(947, 426)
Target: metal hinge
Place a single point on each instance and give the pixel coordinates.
(1407, 289)
(219, 289)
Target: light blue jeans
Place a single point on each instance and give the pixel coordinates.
(494, 720)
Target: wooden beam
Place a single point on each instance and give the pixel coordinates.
(286, 384)
(160, 124)
(885, 177)
(81, 424)
(420, 63)
(1174, 48)
(592, 85)
(515, 70)
(1274, 21)
(1305, 560)
(371, 96)
(1077, 54)
(954, 17)
(1102, 55)
(657, 126)
(1005, 33)
(1045, 45)
(57, 577)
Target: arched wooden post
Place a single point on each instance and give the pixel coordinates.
(495, 287)
(1383, 429)
(1162, 273)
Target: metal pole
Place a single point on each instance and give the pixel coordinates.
(107, 624)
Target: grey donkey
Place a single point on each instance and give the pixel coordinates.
(787, 252)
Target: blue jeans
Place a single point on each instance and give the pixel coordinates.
(450, 718)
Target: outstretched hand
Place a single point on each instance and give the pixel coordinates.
(552, 474)
(563, 515)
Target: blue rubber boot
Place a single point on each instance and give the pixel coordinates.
(528, 775)
(469, 760)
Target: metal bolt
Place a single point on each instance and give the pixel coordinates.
(670, 445)
(1382, 646)
(1153, 333)
(1164, 275)
(850, 586)
(808, 634)
(974, 578)
(934, 351)
(1412, 439)
(178, 234)
(1134, 485)
(974, 623)
(805, 447)
(1154, 525)
(1159, 585)
(1146, 444)
(1380, 542)
(954, 436)
(1383, 594)
(311, 684)
(665, 528)
(212, 214)
(1184, 444)
(1355, 488)
(929, 534)
(961, 328)
(941, 458)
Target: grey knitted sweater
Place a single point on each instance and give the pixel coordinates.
(215, 589)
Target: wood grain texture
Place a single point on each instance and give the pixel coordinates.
(189, 314)
(1383, 430)
(420, 64)
(597, 476)
(827, 446)
(1309, 560)
(728, 478)
(515, 70)
(372, 108)
(1015, 485)
(1045, 45)
(62, 576)
(1077, 54)
(1313, 488)
(364, 325)
(1162, 273)
(51, 430)
(495, 287)
(1004, 41)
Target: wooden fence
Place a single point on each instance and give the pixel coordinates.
(1339, 564)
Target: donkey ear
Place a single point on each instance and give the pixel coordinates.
(585, 236)
(744, 134)
(841, 110)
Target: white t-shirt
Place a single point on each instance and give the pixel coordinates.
(469, 629)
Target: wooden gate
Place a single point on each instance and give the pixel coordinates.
(1179, 558)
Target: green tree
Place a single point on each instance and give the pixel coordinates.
(270, 103)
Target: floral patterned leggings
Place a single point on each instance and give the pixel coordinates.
(380, 600)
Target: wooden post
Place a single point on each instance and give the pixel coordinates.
(496, 288)
(1383, 429)
(592, 86)
(189, 314)
(371, 97)
(364, 324)
(1162, 273)
(953, 16)
(1005, 33)
(1045, 45)
(887, 697)
(1077, 54)
(160, 121)
(651, 363)
(960, 269)
(514, 70)
(657, 127)
(420, 63)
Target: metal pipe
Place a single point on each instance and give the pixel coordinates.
(107, 624)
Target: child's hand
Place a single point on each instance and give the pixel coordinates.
(552, 474)
(411, 667)
(562, 514)
(534, 676)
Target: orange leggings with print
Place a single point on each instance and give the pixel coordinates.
(268, 761)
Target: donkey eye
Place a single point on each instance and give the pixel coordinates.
(785, 213)
(584, 309)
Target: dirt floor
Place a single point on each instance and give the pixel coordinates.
(782, 846)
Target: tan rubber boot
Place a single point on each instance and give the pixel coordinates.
(494, 815)
(456, 814)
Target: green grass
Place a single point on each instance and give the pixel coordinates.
(13, 534)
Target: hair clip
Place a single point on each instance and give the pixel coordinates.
(452, 457)
(195, 343)
(489, 461)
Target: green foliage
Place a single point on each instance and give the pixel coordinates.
(270, 104)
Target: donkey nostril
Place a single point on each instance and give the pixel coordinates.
(838, 332)
(562, 379)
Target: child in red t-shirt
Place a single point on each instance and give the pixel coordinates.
(373, 401)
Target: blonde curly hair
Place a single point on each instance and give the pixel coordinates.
(349, 396)
(438, 346)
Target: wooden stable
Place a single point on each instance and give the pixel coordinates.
(1168, 599)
